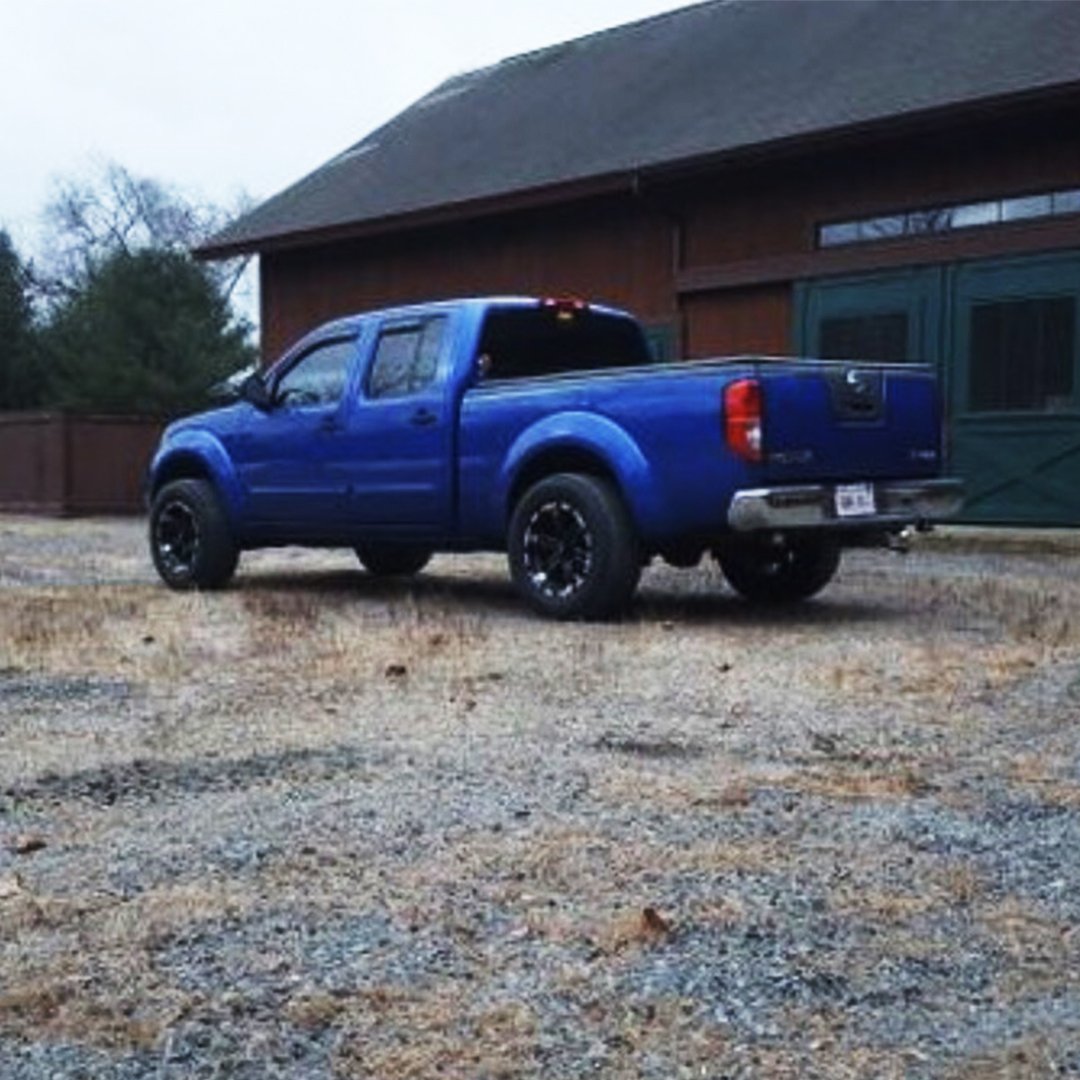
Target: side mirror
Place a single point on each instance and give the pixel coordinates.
(254, 391)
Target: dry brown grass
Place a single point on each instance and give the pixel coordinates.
(860, 783)
(1046, 778)
(1020, 1059)
(131, 632)
(1043, 953)
(83, 969)
(99, 1014)
(824, 1050)
(436, 1034)
(716, 785)
(453, 1040)
(941, 674)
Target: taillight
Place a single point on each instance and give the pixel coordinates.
(742, 418)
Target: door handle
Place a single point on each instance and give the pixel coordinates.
(328, 423)
(423, 418)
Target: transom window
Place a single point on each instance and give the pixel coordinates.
(406, 358)
(942, 219)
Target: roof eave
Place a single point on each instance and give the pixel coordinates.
(443, 214)
(631, 181)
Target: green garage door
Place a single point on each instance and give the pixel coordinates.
(893, 316)
(1015, 397)
(1005, 336)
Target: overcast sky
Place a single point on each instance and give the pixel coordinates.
(220, 97)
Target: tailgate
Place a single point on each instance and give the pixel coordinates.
(844, 420)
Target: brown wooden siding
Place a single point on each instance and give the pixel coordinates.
(618, 254)
(738, 321)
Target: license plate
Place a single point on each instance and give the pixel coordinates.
(855, 500)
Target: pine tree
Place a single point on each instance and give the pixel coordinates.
(22, 381)
(147, 333)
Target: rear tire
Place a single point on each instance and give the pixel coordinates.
(780, 573)
(572, 548)
(392, 560)
(190, 540)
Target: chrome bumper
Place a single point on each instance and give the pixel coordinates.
(897, 503)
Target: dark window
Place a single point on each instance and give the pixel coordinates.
(319, 376)
(523, 342)
(865, 337)
(1022, 354)
(660, 341)
(406, 358)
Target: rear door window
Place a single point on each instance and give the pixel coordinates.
(406, 358)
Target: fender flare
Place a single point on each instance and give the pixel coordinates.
(598, 437)
(199, 447)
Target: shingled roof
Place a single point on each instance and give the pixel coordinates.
(704, 82)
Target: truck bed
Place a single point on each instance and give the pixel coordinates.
(815, 428)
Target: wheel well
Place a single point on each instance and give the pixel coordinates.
(563, 460)
(180, 467)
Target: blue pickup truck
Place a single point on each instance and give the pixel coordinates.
(544, 429)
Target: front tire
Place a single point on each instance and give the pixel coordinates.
(392, 560)
(190, 540)
(782, 572)
(572, 549)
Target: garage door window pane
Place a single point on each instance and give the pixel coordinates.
(1022, 355)
(865, 337)
(1067, 202)
(1031, 207)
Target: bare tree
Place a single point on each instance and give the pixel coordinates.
(115, 211)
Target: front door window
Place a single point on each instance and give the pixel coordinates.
(318, 377)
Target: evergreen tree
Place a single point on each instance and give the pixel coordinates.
(22, 381)
(146, 332)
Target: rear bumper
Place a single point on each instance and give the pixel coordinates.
(813, 506)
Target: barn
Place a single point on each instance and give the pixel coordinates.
(867, 179)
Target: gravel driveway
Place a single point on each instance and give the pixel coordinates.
(322, 826)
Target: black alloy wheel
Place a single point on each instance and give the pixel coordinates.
(176, 538)
(783, 571)
(572, 548)
(392, 560)
(190, 540)
(557, 550)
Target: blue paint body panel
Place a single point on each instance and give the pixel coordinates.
(442, 465)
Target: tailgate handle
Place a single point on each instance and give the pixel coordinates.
(857, 393)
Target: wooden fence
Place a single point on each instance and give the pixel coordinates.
(59, 464)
